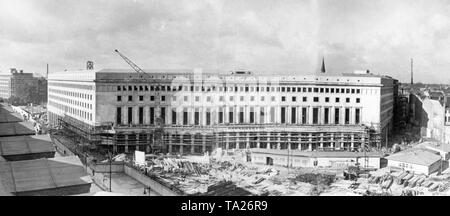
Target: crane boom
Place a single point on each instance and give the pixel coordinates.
(132, 64)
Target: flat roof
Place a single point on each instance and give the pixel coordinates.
(415, 156)
(312, 154)
(42, 174)
(7, 115)
(16, 129)
(19, 145)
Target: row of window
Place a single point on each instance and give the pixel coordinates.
(72, 102)
(236, 88)
(71, 93)
(294, 119)
(74, 111)
(231, 98)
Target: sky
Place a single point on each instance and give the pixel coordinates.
(265, 36)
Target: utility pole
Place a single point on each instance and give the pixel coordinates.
(110, 170)
(412, 75)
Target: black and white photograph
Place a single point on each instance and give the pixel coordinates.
(229, 98)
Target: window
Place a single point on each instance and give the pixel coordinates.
(208, 99)
(174, 98)
(347, 116)
(327, 99)
(293, 115)
(347, 100)
(252, 98)
(130, 115)
(304, 115)
(353, 91)
(208, 117)
(262, 98)
(294, 99)
(231, 98)
(221, 98)
(141, 98)
(337, 100)
(119, 98)
(242, 98)
(332, 90)
(316, 99)
(152, 115)
(321, 90)
(118, 88)
(357, 116)
(241, 115)
(315, 115)
(197, 98)
(309, 89)
(283, 99)
(283, 115)
(221, 115)
(119, 116)
(185, 117)
(336, 116)
(358, 91)
(347, 91)
(283, 89)
(163, 98)
(326, 117)
(261, 115)
(358, 100)
(141, 115)
(316, 90)
(197, 116)
(230, 115)
(130, 98)
(152, 98)
(273, 98)
(174, 116)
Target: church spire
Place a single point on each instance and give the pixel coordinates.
(323, 65)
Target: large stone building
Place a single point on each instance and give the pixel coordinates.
(202, 111)
(11, 84)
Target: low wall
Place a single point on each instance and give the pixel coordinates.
(116, 167)
(61, 148)
(154, 185)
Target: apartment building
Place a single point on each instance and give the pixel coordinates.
(204, 110)
(11, 84)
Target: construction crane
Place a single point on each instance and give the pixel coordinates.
(158, 133)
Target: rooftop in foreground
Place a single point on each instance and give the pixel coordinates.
(26, 147)
(16, 129)
(45, 177)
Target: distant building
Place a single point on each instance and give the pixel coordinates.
(11, 84)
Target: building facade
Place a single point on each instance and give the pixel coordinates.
(11, 84)
(5, 86)
(202, 111)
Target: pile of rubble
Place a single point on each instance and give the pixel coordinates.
(170, 165)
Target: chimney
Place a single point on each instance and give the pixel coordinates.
(412, 75)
